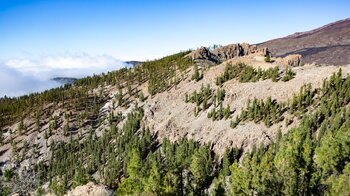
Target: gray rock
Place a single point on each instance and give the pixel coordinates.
(227, 52)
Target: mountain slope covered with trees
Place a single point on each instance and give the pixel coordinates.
(182, 125)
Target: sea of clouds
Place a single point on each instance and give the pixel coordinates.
(19, 76)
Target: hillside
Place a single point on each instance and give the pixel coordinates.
(329, 44)
(203, 122)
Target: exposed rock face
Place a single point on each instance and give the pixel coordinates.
(90, 189)
(227, 52)
(201, 53)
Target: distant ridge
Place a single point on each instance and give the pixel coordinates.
(133, 63)
(337, 24)
(64, 80)
(329, 44)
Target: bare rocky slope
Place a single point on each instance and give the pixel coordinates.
(329, 44)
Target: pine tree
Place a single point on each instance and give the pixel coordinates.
(133, 183)
(66, 128)
(170, 181)
(227, 112)
(339, 184)
(226, 162)
(153, 183)
(218, 187)
(201, 168)
(196, 76)
(239, 182)
(205, 103)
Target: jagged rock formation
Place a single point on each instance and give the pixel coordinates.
(221, 54)
(227, 52)
(236, 50)
(202, 53)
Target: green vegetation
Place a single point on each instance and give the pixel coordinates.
(161, 74)
(289, 74)
(246, 73)
(8, 174)
(202, 97)
(4, 190)
(271, 112)
(219, 114)
(310, 159)
(196, 75)
(313, 158)
(132, 162)
(300, 102)
(268, 111)
(219, 97)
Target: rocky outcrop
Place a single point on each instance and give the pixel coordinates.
(292, 60)
(201, 53)
(236, 50)
(227, 52)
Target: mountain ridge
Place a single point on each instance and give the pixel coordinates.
(336, 24)
(64, 80)
(329, 44)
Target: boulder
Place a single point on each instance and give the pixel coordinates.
(293, 60)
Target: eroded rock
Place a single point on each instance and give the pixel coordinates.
(293, 60)
(227, 52)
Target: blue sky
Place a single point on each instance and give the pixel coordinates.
(139, 30)
(41, 39)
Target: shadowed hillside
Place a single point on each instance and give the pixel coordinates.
(329, 44)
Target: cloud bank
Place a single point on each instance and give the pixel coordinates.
(19, 76)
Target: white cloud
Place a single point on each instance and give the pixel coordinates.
(20, 76)
(14, 83)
